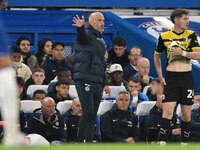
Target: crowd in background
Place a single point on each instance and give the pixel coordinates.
(125, 67)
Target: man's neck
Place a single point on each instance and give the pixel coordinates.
(59, 96)
(178, 30)
(134, 67)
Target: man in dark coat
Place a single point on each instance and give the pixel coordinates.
(89, 70)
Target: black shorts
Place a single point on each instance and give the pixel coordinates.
(179, 88)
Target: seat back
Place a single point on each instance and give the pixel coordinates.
(72, 91)
(114, 90)
(105, 106)
(28, 106)
(144, 108)
(146, 88)
(32, 88)
(64, 106)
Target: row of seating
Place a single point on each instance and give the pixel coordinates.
(143, 108)
(28, 106)
(73, 93)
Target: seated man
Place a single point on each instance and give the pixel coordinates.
(37, 78)
(21, 69)
(134, 55)
(116, 76)
(72, 117)
(20, 87)
(56, 61)
(195, 123)
(47, 122)
(155, 90)
(61, 91)
(143, 66)
(134, 87)
(153, 120)
(118, 54)
(120, 124)
(39, 95)
(197, 98)
(29, 59)
(61, 74)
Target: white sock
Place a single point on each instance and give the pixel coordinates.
(9, 105)
(184, 144)
(162, 143)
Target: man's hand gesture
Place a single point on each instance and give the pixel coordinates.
(78, 22)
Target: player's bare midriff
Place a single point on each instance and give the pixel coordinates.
(179, 66)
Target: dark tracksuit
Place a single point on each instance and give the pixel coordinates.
(51, 66)
(152, 125)
(114, 59)
(89, 76)
(128, 71)
(53, 95)
(118, 125)
(195, 125)
(71, 122)
(51, 131)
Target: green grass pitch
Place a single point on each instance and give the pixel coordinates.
(103, 146)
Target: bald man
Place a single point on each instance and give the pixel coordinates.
(143, 66)
(47, 122)
(72, 118)
(89, 70)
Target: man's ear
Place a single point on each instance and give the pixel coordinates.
(56, 87)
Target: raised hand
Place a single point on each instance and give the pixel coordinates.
(78, 22)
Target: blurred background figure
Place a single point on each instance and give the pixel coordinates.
(39, 95)
(131, 69)
(116, 76)
(118, 54)
(21, 69)
(37, 78)
(72, 118)
(197, 98)
(29, 59)
(44, 50)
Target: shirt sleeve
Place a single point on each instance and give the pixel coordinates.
(160, 46)
(194, 45)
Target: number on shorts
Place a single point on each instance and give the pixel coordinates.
(190, 93)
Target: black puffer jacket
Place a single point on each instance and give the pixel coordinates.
(51, 66)
(89, 56)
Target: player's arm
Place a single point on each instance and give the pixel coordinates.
(176, 51)
(194, 47)
(157, 62)
(158, 68)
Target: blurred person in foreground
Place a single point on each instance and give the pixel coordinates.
(8, 91)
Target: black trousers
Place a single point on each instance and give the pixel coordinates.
(90, 95)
